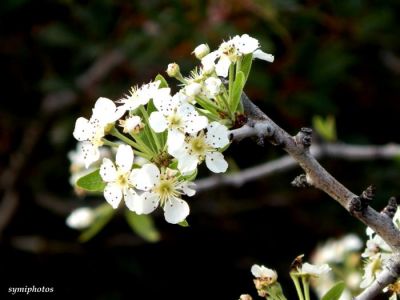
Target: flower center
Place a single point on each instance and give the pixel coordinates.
(198, 145)
(166, 189)
(122, 179)
(174, 120)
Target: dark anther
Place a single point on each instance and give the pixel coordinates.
(300, 181)
(391, 208)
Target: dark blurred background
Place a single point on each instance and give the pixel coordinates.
(339, 58)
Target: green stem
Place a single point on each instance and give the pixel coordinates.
(142, 144)
(114, 132)
(109, 143)
(153, 134)
(306, 286)
(297, 285)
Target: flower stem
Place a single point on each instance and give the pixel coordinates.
(297, 285)
(153, 134)
(306, 286)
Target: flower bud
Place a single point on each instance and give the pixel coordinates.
(81, 218)
(193, 89)
(173, 70)
(201, 51)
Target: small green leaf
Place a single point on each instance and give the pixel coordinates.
(183, 223)
(326, 128)
(335, 292)
(92, 182)
(164, 83)
(143, 226)
(237, 89)
(192, 176)
(104, 214)
(246, 65)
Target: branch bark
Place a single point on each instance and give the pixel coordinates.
(298, 147)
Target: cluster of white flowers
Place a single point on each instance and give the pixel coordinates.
(344, 257)
(170, 133)
(375, 254)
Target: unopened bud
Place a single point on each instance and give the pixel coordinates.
(173, 70)
(201, 50)
(193, 89)
(245, 297)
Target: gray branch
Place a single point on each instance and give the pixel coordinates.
(298, 147)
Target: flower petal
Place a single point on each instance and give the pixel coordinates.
(131, 199)
(263, 56)
(246, 44)
(124, 158)
(187, 188)
(82, 129)
(187, 163)
(107, 171)
(163, 100)
(215, 162)
(222, 66)
(175, 140)
(217, 135)
(176, 210)
(146, 177)
(146, 203)
(157, 121)
(113, 194)
(105, 111)
(90, 152)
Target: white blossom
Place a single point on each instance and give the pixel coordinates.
(212, 87)
(81, 218)
(178, 116)
(201, 50)
(139, 96)
(203, 146)
(91, 132)
(162, 189)
(132, 124)
(263, 272)
(314, 270)
(371, 269)
(229, 52)
(117, 178)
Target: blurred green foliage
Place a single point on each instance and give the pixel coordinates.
(332, 58)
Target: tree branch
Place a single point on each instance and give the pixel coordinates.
(298, 147)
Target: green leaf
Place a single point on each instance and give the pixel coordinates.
(326, 128)
(92, 182)
(246, 65)
(183, 223)
(237, 89)
(335, 292)
(163, 83)
(192, 176)
(143, 226)
(104, 214)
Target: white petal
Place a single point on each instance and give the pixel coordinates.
(124, 158)
(215, 162)
(82, 129)
(131, 199)
(146, 203)
(107, 170)
(81, 218)
(90, 152)
(157, 121)
(104, 110)
(176, 210)
(113, 194)
(208, 61)
(222, 66)
(217, 135)
(195, 124)
(175, 140)
(246, 44)
(187, 163)
(263, 56)
(163, 100)
(188, 188)
(146, 177)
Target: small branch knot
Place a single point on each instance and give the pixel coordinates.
(360, 203)
(301, 181)
(391, 208)
(304, 137)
